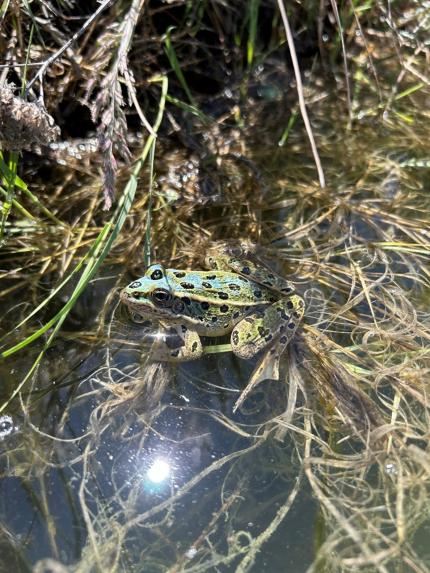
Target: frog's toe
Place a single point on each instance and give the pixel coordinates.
(177, 344)
(266, 369)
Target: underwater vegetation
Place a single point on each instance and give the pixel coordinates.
(147, 132)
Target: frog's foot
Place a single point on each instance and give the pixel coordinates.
(176, 343)
(267, 369)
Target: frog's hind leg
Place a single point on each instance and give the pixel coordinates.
(284, 317)
(270, 327)
(242, 259)
(176, 343)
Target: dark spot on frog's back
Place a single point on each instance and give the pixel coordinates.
(179, 274)
(194, 347)
(206, 284)
(210, 277)
(188, 286)
(246, 270)
(236, 315)
(263, 331)
(223, 308)
(232, 286)
(178, 306)
(214, 318)
(283, 314)
(258, 294)
(223, 295)
(204, 305)
(156, 275)
(186, 300)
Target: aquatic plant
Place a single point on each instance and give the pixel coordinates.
(183, 126)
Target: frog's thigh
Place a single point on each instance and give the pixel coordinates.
(177, 343)
(260, 273)
(274, 326)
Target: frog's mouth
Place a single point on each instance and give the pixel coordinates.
(144, 306)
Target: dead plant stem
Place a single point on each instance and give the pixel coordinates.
(300, 93)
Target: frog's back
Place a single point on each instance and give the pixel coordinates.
(218, 287)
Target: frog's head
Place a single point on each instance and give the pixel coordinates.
(151, 294)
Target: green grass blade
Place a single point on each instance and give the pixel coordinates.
(254, 7)
(8, 174)
(171, 54)
(190, 108)
(105, 239)
(8, 178)
(18, 206)
(3, 8)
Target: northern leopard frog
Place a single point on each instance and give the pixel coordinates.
(237, 296)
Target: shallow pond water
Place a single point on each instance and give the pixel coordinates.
(110, 463)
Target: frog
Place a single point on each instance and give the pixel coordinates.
(237, 296)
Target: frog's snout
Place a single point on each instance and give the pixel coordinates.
(124, 295)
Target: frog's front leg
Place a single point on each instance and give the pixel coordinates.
(176, 343)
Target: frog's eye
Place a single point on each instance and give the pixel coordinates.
(161, 297)
(156, 275)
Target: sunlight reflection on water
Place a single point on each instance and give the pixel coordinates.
(159, 471)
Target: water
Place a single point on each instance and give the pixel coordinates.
(137, 481)
(110, 463)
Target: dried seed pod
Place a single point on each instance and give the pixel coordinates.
(24, 124)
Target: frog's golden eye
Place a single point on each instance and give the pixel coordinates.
(156, 275)
(162, 297)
